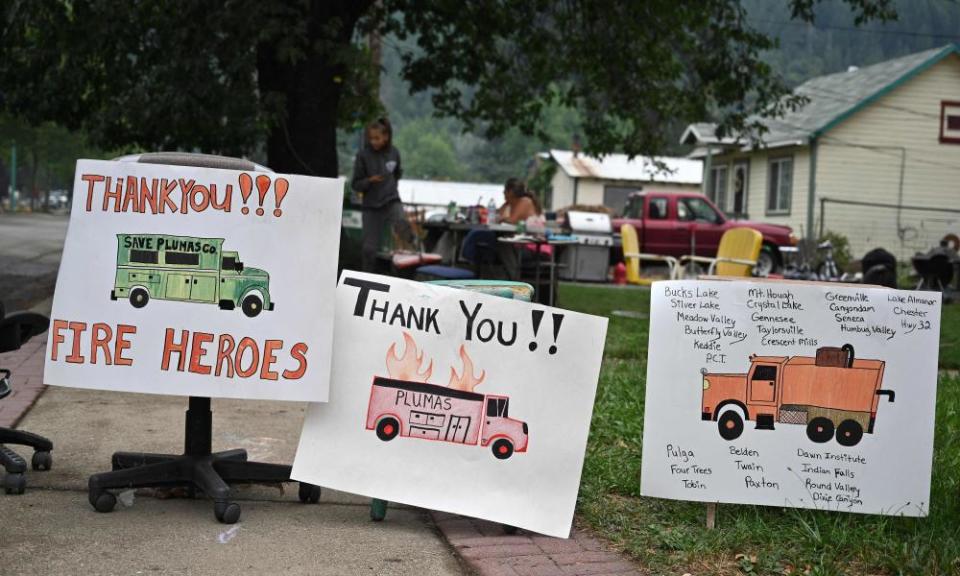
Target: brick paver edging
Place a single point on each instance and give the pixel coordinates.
(490, 551)
(27, 367)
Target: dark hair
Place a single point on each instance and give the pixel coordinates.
(382, 124)
(520, 190)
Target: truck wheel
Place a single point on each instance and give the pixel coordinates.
(849, 433)
(387, 429)
(139, 297)
(252, 305)
(502, 449)
(820, 430)
(730, 425)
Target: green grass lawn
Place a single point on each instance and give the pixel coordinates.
(669, 537)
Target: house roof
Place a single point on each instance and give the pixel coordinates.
(438, 193)
(832, 99)
(637, 169)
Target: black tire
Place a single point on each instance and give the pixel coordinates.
(41, 461)
(227, 512)
(103, 502)
(820, 430)
(139, 297)
(308, 493)
(730, 425)
(849, 433)
(14, 483)
(387, 429)
(502, 449)
(767, 261)
(252, 305)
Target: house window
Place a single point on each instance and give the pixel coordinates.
(717, 190)
(950, 122)
(780, 186)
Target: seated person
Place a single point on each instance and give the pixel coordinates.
(519, 203)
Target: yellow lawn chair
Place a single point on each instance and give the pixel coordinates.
(632, 257)
(736, 256)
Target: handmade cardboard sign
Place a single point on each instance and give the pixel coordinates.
(455, 401)
(789, 394)
(196, 281)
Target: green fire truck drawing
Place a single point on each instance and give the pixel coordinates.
(187, 269)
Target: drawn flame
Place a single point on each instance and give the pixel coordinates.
(407, 367)
(467, 381)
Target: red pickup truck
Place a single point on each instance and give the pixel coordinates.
(678, 224)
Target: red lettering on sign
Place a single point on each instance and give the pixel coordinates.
(169, 346)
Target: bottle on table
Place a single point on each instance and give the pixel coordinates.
(492, 212)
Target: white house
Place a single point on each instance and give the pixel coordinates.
(582, 179)
(873, 155)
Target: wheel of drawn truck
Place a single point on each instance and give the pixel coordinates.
(252, 305)
(730, 425)
(502, 449)
(820, 430)
(387, 429)
(849, 433)
(139, 297)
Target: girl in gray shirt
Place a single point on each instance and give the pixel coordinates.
(376, 172)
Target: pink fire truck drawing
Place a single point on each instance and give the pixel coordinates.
(420, 410)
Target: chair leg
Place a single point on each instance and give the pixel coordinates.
(125, 460)
(206, 478)
(14, 482)
(24, 438)
(235, 454)
(165, 473)
(241, 471)
(12, 462)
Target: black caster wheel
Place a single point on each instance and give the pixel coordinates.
(14, 483)
(227, 512)
(41, 461)
(509, 529)
(103, 502)
(308, 493)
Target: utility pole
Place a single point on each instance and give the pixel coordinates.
(13, 176)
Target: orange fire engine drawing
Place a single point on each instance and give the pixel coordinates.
(832, 393)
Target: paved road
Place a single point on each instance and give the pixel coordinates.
(30, 249)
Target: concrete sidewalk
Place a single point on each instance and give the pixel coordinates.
(52, 529)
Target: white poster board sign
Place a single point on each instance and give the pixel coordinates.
(789, 394)
(455, 401)
(196, 281)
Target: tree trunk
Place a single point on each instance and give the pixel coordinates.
(304, 95)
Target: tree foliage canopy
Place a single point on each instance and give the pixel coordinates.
(233, 75)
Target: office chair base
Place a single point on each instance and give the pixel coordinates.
(14, 482)
(196, 469)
